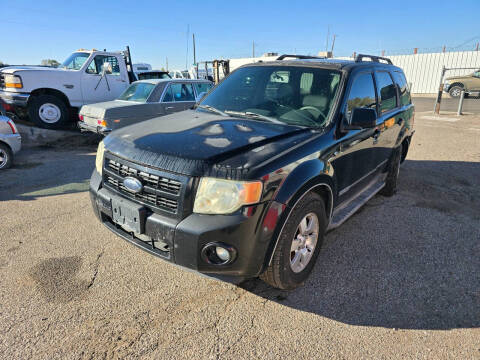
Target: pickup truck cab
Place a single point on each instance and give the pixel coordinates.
(248, 183)
(48, 94)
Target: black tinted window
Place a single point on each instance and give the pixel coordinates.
(386, 91)
(362, 93)
(403, 88)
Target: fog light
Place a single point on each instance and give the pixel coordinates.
(218, 253)
(222, 253)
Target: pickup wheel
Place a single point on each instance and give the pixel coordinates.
(298, 244)
(6, 156)
(48, 111)
(390, 187)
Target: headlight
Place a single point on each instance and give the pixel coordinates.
(216, 196)
(99, 159)
(13, 81)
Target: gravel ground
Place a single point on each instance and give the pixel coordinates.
(400, 279)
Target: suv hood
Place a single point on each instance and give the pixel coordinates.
(202, 144)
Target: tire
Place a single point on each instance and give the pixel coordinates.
(48, 112)
(390, 187)
(6, 156)
(455, 91)
(286, 270)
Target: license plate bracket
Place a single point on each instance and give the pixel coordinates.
(129, 215)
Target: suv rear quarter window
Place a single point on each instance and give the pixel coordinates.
(402, 88)
(387, 93)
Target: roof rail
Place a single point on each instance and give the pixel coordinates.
(373, 58)
(282, 57)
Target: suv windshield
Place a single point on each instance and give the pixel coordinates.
(296, 95)
(75, 61)
(138, 92)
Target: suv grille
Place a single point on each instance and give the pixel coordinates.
(2, 81)
(161, 183)
(158, 191)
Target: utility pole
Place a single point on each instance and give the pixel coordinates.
(194, 54)
(333, 42)
(186, 57)
(253, 49)
(328, 35)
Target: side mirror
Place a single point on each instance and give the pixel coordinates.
(106, 68)
(362, 118)
(200, 96)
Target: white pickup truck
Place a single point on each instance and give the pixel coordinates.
(49, 94)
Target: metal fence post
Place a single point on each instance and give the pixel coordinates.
(460, 103)
(436, 108)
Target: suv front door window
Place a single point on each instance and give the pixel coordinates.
(355, 161)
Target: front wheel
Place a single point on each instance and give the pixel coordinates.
(48, 112)
(298, 244)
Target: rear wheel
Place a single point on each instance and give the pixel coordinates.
(6, 156)
(390, 187)
(298, 244)
(48, 112)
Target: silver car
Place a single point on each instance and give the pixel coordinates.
(142, 100)
(10, 140)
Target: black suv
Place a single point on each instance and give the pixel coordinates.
(248, 183)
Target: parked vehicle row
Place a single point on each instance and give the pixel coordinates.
(86, 76)
(248, 182)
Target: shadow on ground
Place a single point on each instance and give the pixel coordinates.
(411, 261)
(46, 171)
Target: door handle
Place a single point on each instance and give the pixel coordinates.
(169, 108)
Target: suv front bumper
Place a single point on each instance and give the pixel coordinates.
(14, 98)
(181, 242)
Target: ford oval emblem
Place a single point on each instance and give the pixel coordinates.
(133, 185)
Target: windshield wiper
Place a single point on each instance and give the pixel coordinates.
(252, 115)
(211, 109)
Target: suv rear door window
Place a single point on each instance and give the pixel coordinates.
(387, 92)
(402, 87)
(362, 93)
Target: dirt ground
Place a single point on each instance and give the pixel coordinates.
(400, 279)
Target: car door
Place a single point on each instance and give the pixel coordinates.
(178, 96)
(98, 88)
(353, 161)
(475, 82)
(389, 119)
(168, 99)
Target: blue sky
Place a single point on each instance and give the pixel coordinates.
(35, 30)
